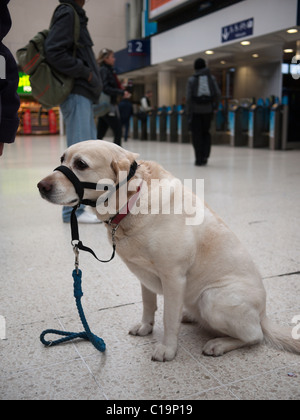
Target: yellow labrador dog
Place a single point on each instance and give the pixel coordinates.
(200, 268)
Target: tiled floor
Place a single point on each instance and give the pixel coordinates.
(255, 191)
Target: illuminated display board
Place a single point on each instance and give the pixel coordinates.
(24, 87)
(161, 7)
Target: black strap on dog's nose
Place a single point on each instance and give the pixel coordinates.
(78, 185)
(81, 186)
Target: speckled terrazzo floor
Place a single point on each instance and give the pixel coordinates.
(255, 191)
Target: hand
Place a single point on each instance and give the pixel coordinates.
(1, 148)
(90, 77)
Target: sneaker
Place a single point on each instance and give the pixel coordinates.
(88, 218)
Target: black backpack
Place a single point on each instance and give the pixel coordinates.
(203, 89)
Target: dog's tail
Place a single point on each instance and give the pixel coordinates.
(279, 336)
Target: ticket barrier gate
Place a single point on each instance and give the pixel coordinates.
(143, 127)
(285, 144)
(256, 135)
(135, 127)
(152, 125)
(162, 124)
(173, 124)
(220, 119)
(219, 132)
(238, 125)
(275, 133)
(183, 127)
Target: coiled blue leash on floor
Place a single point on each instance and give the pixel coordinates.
(97, 342)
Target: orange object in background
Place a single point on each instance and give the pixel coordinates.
(155, 4)
(27, 128)
(52, 122)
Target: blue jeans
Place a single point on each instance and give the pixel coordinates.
(79, 119)
(80, 126)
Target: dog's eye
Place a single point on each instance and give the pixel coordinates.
(81, 165)
(62, 159)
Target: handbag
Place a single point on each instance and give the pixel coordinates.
(103, 107)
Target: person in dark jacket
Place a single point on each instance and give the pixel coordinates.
(77, 110)
(126, 112)
(111, 87)
(9, 80)
(203, 95)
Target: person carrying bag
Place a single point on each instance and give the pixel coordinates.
(203, 95)
(49, 87)
(113, 89)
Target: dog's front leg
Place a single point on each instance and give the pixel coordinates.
(173, 305)
(149, 308)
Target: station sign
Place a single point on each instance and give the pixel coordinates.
(139, 47)
(238, 30)
(136, 56)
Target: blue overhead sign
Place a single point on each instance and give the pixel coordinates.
(136, 56)
(139, 47)
(238, 30)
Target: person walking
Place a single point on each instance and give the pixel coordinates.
(77, 110)
(113, 88)
(126, 112)
(203, 95)
(9, 79)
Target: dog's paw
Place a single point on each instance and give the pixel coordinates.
(214, 348)
(141, 329)
(163, 353)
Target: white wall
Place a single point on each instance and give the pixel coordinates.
(205, 33)
(258, 81)
(106, 22)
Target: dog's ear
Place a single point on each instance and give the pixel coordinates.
(124, 164)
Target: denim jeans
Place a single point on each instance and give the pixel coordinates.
(79, 119)
(80, 126)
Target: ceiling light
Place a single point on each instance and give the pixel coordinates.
(255, 55)
(209, 52)
(223, 62)
(292, 31)
(245, 43)
(180, 60)
(288, 50)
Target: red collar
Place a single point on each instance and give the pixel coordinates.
(116, 220)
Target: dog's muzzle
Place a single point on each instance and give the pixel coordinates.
(81, 186)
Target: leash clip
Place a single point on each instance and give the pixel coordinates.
(113, 232)
(76, 252)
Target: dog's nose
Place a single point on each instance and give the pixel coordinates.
(44, 187)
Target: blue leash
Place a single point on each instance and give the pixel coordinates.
(97, 342)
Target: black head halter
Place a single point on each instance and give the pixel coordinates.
(79, 188)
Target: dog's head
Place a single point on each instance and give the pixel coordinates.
(91, 161)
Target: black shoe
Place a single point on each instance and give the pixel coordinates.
(201, 162)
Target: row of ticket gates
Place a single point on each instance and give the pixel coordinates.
(238, 123)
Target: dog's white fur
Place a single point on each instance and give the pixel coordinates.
(203, 269)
